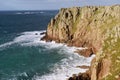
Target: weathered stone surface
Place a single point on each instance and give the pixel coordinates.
(80, 76)
(100, 69)
(82, 26)
(85, 52)
(106, 64)
(94, 27)
(83, 67)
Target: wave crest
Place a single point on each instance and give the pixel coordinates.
(61, 70)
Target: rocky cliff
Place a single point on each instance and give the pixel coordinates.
(94, 27)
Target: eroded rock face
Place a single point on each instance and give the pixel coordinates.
(106, 65)
(82, 26)
(85, 52)
(98, 29)
(101, 69)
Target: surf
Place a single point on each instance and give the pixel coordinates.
(61, 70)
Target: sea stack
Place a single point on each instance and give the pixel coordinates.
(94, 27)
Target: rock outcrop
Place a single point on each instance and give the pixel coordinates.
(94, 27)
(106, 65)
(81, 76)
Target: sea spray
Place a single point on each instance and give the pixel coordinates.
(61, 70)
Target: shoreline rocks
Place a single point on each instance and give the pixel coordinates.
(94, 27)
(83, 67)
(81, 76)
(85, 52)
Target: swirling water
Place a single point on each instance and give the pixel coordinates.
(23, 56)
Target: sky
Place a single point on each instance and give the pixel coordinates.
(50, 4)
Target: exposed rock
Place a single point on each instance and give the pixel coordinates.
(42, 33)
(83, 67)
(82, 26)
(85, 52)
(80, 76)
(94, 27)
(106, 66)
(36, 33)
(100, 69)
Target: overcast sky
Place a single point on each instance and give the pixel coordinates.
(50, 4)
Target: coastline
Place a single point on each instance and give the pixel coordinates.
(87, 27)
(81, 75)
(62, 69)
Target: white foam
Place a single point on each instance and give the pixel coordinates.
(30, 37)
(67, 66)
(18, 13)
(62, 70)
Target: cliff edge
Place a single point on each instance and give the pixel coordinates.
(94, 27)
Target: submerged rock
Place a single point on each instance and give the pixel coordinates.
(36, 33)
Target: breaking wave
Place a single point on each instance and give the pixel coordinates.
(61, 70)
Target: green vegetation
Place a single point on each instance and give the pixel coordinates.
(75, 25)
(112, 47)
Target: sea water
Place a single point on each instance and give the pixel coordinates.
(23, 56)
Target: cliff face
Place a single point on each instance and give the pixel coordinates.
(83, 26)
(106, 65)
(97, 28)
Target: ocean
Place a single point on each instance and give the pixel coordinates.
(23, 56)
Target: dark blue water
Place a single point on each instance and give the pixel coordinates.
(12, 22)
(24, 57)
(16, 60)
